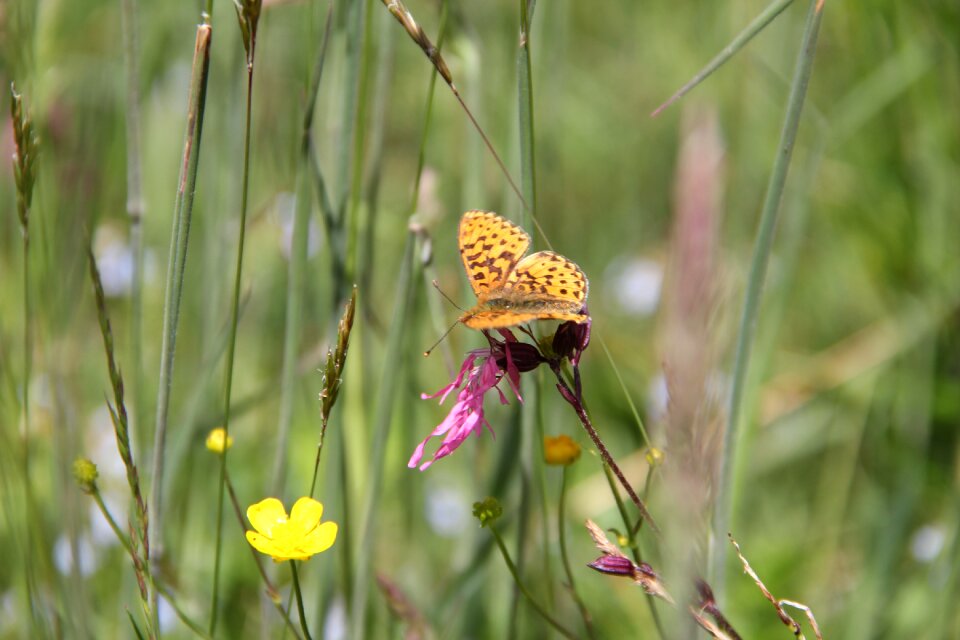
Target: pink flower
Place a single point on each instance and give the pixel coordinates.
(482, 371)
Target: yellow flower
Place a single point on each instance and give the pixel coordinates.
(561, 450)
(295, 538)
(215, 441)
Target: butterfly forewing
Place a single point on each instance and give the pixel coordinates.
(490, 247)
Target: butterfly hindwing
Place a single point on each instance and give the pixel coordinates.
(492, 319)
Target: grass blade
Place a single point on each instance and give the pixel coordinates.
(751, 303)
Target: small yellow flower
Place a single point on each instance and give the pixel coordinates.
(215, 441)
(295, 538)
(560, 450)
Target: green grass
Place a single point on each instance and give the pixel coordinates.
(843, 492)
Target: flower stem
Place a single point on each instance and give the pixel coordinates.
(296, 590)
(577, 405)
(523, 589)
(751, 303)
(562, 535)
(125, 543)
(232, 341)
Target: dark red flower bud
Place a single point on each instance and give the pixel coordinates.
(614, 565)
(571, 339)
(524, 357)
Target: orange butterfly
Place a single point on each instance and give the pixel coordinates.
(510, 289)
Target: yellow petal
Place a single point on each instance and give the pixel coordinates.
(266, 514)
(321, 538)
(305, 514)
(261, 543)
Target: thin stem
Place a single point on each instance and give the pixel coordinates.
(136, 208)
(565, 557)
(272, 592)
(751, 303)
(528, 173)
(756, 26)
(405, 18)
(296, 280)
(382, 419)
(232, 341)
(125, 543)
(183, 210)
(25, 467)
(528, 185)
(570, 397)
(626, 393)
(523, 589)
(296, 590)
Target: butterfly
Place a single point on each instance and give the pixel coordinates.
(512, 289)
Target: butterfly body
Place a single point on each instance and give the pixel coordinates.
(512, 289)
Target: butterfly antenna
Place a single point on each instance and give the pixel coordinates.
(436, 285)
(445, 334)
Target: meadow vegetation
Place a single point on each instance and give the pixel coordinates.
(222, 215)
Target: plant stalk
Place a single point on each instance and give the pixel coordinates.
(751, 304)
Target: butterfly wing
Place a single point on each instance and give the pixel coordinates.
(490, 247)
(549, 278)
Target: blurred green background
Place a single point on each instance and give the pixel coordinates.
(847, 479)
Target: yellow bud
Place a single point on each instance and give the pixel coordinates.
(654, 457)
(86, 474)
(218, 441)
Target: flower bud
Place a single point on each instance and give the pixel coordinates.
(218, 441)
(85, 473)
(654, 457)
(524, 357)
(571, 339)
(614, 565)
(487, 511)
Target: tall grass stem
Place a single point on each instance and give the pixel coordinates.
(183, 209)
(234, 314)
(386, 391)
(136, 209)
(751, 303)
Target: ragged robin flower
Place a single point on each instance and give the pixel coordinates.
(296, 537)
(482, 371)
